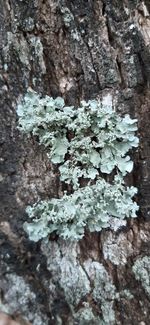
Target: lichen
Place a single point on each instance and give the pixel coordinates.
(141, 270)
(19, 298)
(85, 316)
(67, 16)
(62, 262)
(28, 24)
(90, 207)
(93, 135)
(38, 52)
(69, 23)
(83, 142)
(20, 44)
(81, 281)
(74, 283)
(104, 291)
(117, 249)
(125, 294)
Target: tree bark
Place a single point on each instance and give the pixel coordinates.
(77, 49)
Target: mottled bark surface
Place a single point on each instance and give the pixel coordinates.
(79, 49)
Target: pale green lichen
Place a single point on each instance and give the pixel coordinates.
(90, 207)
(83, 142)
(104, 291)
(100, 138)
(69, 23)
(74, 282)
(37, 47)
(104, 294)
(141, 270)
(85, 316)
(21, 47)
(117, 249)
(28, 24)
(67, 16)
(19, 298)
(125, 294)
(65, 268)
(81, 282)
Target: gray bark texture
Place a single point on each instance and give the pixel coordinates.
(77, 49)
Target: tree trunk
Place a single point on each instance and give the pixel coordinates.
(77, 49)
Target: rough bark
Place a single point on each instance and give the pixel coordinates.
(78, 49)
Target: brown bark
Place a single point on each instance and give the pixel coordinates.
(79, 50)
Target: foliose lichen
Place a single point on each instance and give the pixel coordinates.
(83, 142)
(90, 207)
(94, 137)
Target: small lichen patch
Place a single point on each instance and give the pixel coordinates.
(126, 294)
(85, 316)
(75, 283)
(62, 262)
(20, 44)
(67, 16)
(141, 270)
(18, 298)
(117, 249)
(104, 291)
(38, 52)
(1, 178)
(144, 233)
(29, 24)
